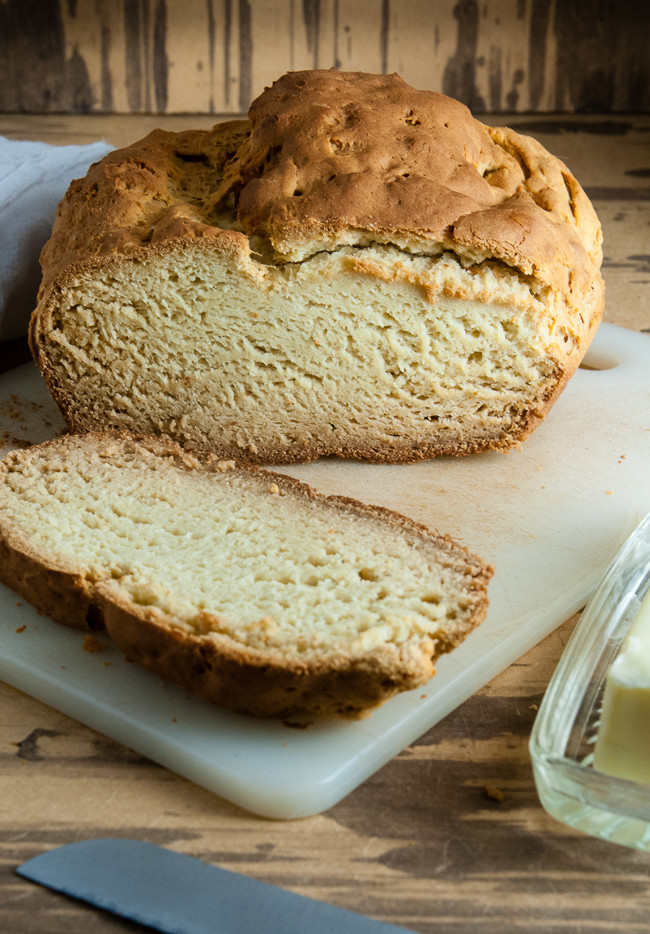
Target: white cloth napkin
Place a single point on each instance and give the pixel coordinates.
(33, 178)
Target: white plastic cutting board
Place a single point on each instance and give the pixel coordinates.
(550, 517)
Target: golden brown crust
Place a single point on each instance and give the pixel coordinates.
(332, 152)
(142, 196)
(54, 591)
(213, 665)
(223, 672)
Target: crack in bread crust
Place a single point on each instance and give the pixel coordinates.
(333, 155)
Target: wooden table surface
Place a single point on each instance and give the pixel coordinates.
(449, 837)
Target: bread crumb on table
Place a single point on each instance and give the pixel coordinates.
(491, 791)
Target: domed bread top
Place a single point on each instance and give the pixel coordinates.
(332, 159)
(342, 158)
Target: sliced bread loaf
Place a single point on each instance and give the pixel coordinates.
(245, 587)
(362, 269)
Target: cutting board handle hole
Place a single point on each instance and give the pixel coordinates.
(600, 360)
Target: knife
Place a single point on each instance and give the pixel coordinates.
(178, 894)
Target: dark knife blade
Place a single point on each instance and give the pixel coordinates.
(178, 894)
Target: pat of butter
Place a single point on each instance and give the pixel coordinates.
(623, 742)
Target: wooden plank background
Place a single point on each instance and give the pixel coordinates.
(214, 56)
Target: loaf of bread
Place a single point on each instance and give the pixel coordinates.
(243, 586)
(360, 269)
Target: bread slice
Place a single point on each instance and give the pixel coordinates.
(243, 586)
(361, 269)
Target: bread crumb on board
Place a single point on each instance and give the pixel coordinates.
(93, 645)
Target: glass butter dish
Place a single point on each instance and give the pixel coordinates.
(595, 713)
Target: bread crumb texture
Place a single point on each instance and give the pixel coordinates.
(360, 269)
(245, 587)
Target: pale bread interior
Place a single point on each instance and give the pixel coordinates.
(372, 352)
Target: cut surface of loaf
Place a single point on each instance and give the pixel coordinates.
(243, 586)
(361, 269)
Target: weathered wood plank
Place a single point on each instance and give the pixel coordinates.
(214, 56)
(449, 836)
